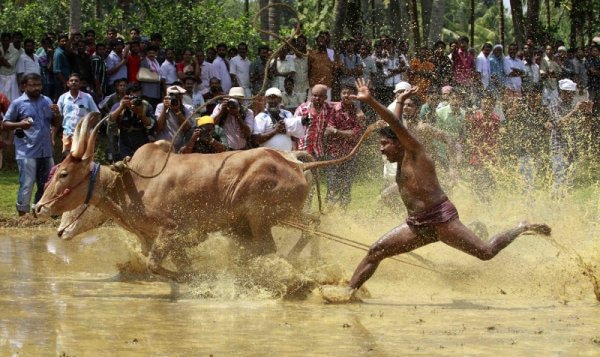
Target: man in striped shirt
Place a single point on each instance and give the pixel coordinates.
(315, 115)
(73, 106)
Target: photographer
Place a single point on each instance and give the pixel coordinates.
(275, 127)
(206, 139)
(135, 120)
(171, 114)
(236, 121)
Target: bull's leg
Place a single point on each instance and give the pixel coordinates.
(262, 239)
(161, 247)
(305, 238)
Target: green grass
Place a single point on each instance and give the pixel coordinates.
(9, 185)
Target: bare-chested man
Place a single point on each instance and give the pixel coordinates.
(431, 215)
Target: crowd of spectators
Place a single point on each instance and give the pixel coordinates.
(541, 98)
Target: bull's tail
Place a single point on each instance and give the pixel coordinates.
(305, 157)
(327, 163)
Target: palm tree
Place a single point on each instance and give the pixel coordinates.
(516, 9)
(438, 10)
(75, 16)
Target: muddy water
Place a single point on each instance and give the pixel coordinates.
(62, 297)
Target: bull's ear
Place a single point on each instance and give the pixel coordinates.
(91, 142)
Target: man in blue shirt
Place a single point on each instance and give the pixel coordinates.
(31, 116)
(61, 66)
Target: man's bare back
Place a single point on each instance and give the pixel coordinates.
(431, 216)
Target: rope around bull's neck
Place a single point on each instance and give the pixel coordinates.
(124, 164)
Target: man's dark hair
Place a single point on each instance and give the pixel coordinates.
(30, 77)
(288, 80)
(89, 31)
(156, 36)
(134, 41)
(438, 43)
(100, 44)
(75, 74)
(263, 47)
(17, 34)
(135, 29)
(242, 44)
(5, 35)
(387, 132)
(133, 87)
(64, 35)
(487, 45)
(118, 80)
(177, 83)
(189, 78)
(152, 48)
(221, 45)
(45, 40)
(112, 29)
(415, 99)
(463, 39)
(28, 40)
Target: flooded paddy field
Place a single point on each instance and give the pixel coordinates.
(91, 296)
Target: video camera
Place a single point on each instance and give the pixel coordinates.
(174, 100)
(135, 100)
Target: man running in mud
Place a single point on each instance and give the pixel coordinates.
(431, 215)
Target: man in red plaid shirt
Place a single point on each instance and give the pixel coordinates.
(315, 114)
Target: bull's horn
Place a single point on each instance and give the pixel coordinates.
(79, 138)
(91, 142)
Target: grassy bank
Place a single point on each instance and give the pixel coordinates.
(9, 184)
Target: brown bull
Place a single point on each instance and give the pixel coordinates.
(243, 192)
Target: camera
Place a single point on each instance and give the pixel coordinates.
(232, 104)
(174, 100)
(135, 100)
(20, 133)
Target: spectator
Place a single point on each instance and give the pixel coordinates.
(257, 70)
(531, 80)
(497, 76)
(421, 72)
(315, 115)
(116, 62)
(203, 72)
(443, 65)
(290, 98)
(97, 62)
(31, 116)
(592, 66)
(134, 32)
(351, 65)
(192, 95)
(301, 64)
(207, 138)
(168, 70)
(74, 105)
(239, 68)
(152, 91)
(549, 71)
(482, 66)
(211, 54)
(400, 88)
(215, 90)
(134, 61)
(392, 69)
(82, 63)
(46, 57)
(109, 101)
(451, 117)
(514, 70)
(343, 131)
(282, 68)
(135, 120)
(172, 114)
(156, 41)
(9, 55)
(187, 66)
(221, 67)
(276, 127)
(236, 121)
(463, 64)
(29, 62)
(320, 66)
(368, 63)
(576, 66)
(90, 42)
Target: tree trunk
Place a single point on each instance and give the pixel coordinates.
(516, 9)
(438, 9)
(339, 13)
(533, 20)
(274, 13)
(472, 23)
(426, 16)
(75, 16)
(395, 18)
(414, 23)
(264, 19)
(548, 15)
(247, 8)
(501, 21)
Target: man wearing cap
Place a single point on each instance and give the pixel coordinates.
(236, 121)
(275, 127)
(400, 88)
(563, 113)
(171, 114)
(135, 120)
(116, 62)
(206, 139)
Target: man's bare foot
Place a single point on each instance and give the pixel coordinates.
(336, 294)
(536, 228)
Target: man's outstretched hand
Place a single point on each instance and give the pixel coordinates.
(407, 94)
(363, 93)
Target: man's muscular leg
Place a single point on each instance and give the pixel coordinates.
(456, 235)
(399, 240)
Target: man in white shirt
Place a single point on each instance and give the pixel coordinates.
(275, 127)
(514, 69)
(239, 68)
(168, 71)
(482, 65)
(221, 67)
(236, 121)
(29, 61)
(206, 72)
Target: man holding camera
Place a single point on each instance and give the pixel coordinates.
(236, 121)
(135, 119)
(207, 138)
(73, 106)
(31, 116)
(315, 114)
(275, 127)
(171, 114)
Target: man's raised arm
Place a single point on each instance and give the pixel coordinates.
(408, 141)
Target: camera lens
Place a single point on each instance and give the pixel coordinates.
(19, 133)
